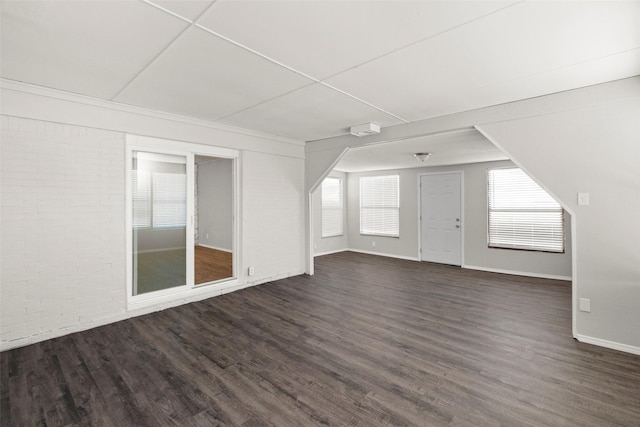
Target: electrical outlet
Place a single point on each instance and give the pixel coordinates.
(207, 235)
(585, 305)
(373, 243)
(252, 271)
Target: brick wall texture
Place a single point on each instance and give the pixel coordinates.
(62, 212)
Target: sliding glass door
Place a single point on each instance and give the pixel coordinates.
(159, 202)
(181, 220)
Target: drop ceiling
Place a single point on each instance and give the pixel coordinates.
(309, 70)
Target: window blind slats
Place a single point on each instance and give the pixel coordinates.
(521, 214)
(380, 205)
(159, 199)
(332, 207)
(141, 189)
(169, 200)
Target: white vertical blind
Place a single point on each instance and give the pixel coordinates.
(332, 207)
(380, 205)
(521, 214)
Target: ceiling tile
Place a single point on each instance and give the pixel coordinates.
(206, 77)
(439, 76)
(587, 73)
(91, 48)
(310, 113)
(321, 38)
(189, 9)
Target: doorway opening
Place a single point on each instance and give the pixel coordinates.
(213, 220)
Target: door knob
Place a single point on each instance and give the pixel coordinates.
(457, 225)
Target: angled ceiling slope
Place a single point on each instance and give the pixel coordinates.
(309, 70)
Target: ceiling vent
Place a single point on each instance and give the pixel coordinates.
(365, 129)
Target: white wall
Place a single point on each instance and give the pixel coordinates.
(63, 210)
(594, 150)
(325, 245)
(63, 220)
(273, 215)
(215, 204)
(476, 252)
(578, 140)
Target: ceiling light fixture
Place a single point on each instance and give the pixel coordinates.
(365, 129)
(422, 156)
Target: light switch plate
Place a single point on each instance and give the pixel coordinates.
(583, 199)
(585, 305)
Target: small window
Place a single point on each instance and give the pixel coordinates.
(521, 214)
(332, 212)
(380, 205)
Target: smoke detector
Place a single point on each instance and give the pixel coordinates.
(365, 129)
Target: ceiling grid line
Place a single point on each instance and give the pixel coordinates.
(363, 101)
(166, 47)
(432, 36)
(310, 70)
(382, 110)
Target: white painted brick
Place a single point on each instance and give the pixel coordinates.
(66, 187)
(54, 198)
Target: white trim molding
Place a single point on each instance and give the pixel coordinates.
(518, 273)
(51, 105)
(336, 251)
(408, 258)
(215, 247)
(608, 344)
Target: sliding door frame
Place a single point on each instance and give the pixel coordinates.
(136, 143)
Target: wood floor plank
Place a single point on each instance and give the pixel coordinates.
(367, 341)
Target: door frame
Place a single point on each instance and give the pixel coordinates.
(462, 198)
(189, 290)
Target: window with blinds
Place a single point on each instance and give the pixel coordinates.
(159, 199)
(521, 214)
(169, 200)
(332, 207)
(380, 205)
(141, 189)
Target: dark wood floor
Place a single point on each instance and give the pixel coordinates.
(367, 341)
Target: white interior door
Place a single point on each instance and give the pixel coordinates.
(440, 218)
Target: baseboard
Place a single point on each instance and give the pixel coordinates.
(32, 339)
(382, 254)
(608, 344)
(224, 288)
(330, 252)
(214, 247)
(517, 273)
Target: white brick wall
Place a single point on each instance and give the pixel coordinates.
(62, 254)
(63, 243)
